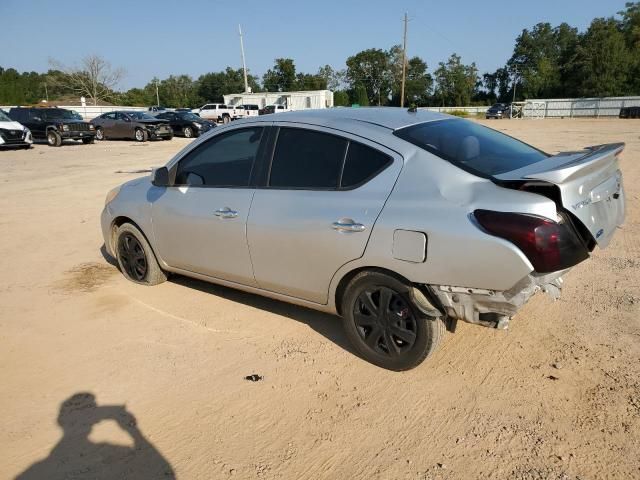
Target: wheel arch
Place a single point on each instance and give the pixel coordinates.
(343, 283)
(117, 223)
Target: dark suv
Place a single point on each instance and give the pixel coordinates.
(53, 124)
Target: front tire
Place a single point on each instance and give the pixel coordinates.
(141, 135)
(135, 257)
(187, 132)
(53, 138)
(99, 134)
(385, 326)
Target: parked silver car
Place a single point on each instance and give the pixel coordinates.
(401, 222)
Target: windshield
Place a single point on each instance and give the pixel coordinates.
(4, 117)
(140, 116)
(58, 114)
(471, 146)
(189, 116)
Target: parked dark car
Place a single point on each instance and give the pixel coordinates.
(53, 124)
(128, 124)
(498, 110)
(186, 123)
(630, 112)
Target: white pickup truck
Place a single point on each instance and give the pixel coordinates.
(219, 112)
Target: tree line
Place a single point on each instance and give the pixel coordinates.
(547, 61)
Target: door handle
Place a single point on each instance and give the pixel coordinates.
(225, 212)
(348, 225)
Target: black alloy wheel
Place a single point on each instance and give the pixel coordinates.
(384, 321)
(132, 257)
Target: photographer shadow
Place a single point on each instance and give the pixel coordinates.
(76, 456)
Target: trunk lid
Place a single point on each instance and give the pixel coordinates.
(590, 184)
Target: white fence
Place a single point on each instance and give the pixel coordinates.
(90, 112)
(578, 107)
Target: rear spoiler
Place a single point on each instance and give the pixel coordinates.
(562, 167)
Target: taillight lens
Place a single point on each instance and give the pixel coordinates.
(550, 246)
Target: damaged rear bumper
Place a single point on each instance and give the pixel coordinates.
(494, 308)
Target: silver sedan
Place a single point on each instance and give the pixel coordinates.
(401, 222)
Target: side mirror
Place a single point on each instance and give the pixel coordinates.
(160, 177)
(126, 119)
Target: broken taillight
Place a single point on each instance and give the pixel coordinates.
(550, 246)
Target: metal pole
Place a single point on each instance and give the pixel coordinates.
(515, 83)
(244, 65)
(46, 92)
(404, 60)
(157, 95)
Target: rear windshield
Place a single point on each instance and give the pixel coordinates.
(472, 147)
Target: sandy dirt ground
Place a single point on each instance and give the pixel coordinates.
(103, 378)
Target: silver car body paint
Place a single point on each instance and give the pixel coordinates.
(282, 243)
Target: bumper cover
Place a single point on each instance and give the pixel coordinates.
(492, 308)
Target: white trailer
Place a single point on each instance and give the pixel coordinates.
(290, 100)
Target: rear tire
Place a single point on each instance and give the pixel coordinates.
(385, 326)
(226, 119)
(135, 257)
(53, 138)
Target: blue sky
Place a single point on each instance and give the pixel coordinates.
(165, 37)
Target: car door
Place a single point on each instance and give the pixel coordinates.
(317, 210)
(199, 223)
(107, 123)
(37, 123)
(124, 125)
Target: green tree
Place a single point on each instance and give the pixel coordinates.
(630, 25)
(543, 59)
(371, 69)
(341, 98)
(455, 82)
(603, 61)
(280, 78)
(335, 79)
(308, 81)
(212, 86)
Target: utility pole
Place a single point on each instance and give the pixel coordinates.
(244, 65)
(515, 83)
(404, 60)
(157, 94)
(46, 92)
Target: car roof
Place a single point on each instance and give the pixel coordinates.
(392, 118)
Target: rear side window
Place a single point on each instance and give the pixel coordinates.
(307, 159)
(361, 164)
(472, 147)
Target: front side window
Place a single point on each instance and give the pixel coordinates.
(307, 159)
(224, 161)
(109, 116)
(471, 146)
